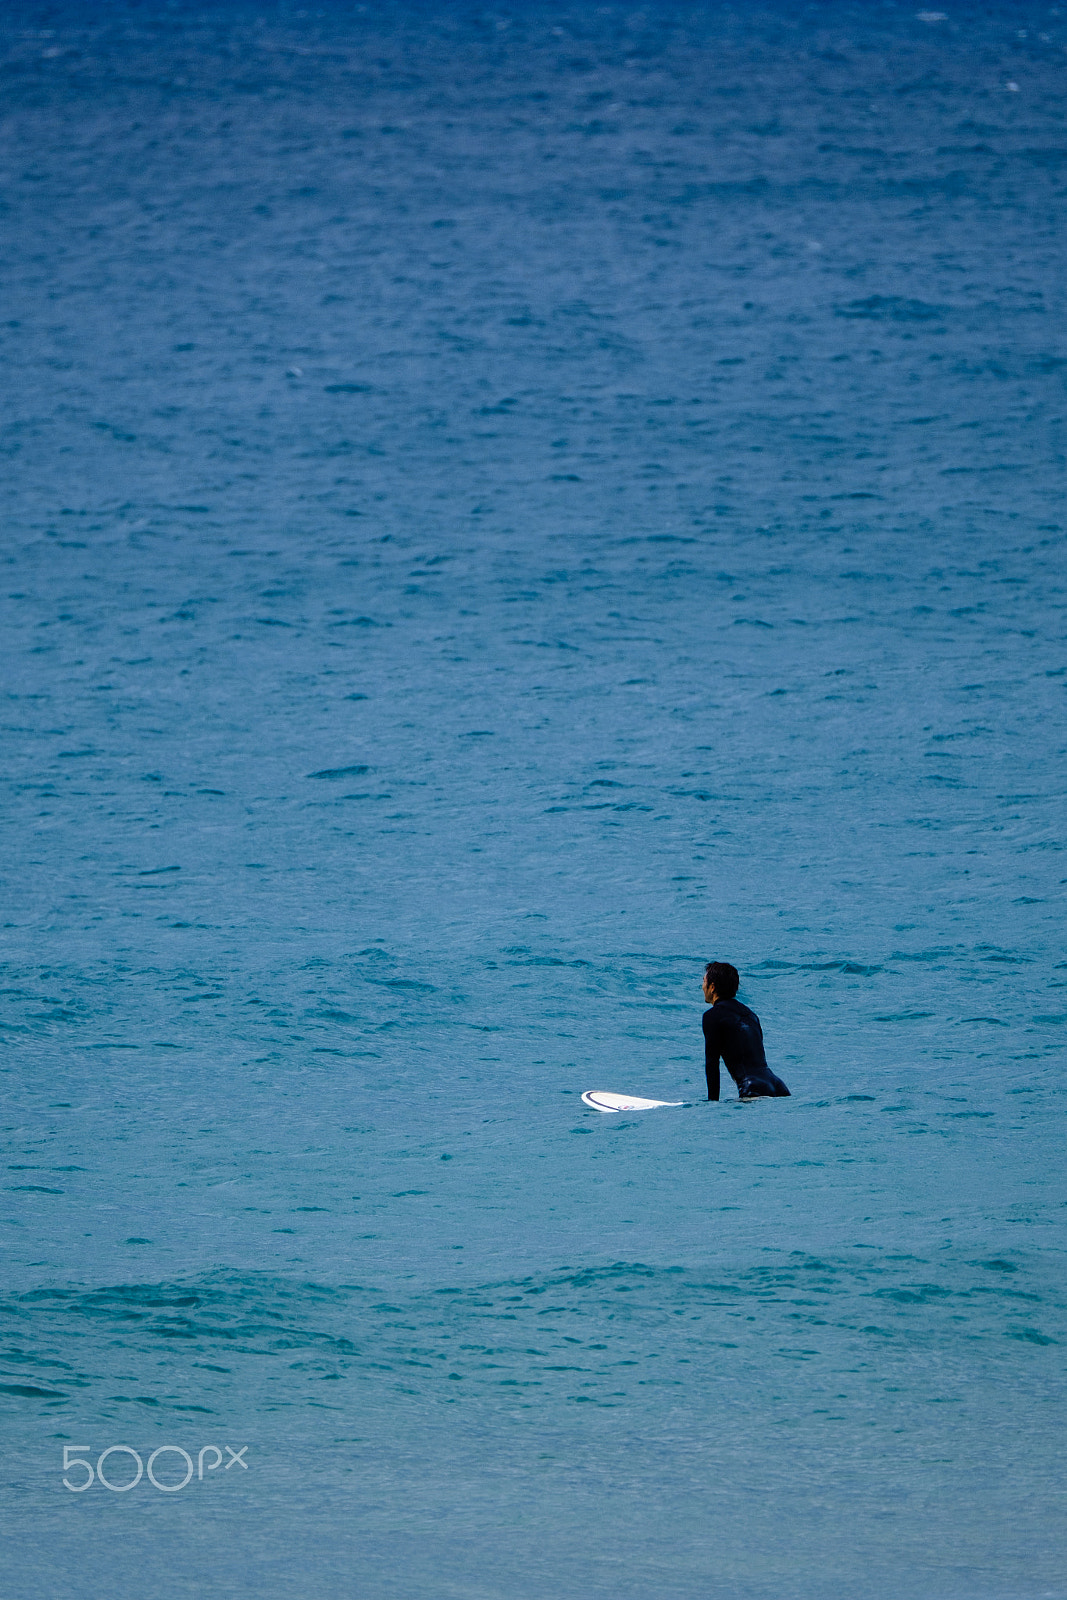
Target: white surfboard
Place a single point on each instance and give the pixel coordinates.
(604, 1100)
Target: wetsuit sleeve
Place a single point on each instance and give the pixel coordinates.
(711, 1056)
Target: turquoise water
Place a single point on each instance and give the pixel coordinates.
(502, 507)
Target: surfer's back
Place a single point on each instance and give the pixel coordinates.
(735, 1030)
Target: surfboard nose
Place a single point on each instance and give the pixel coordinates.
(606, 1100)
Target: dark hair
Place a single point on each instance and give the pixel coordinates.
(723, 978)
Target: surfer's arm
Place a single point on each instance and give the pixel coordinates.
(711, 1056)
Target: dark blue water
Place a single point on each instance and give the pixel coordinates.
(501, 506)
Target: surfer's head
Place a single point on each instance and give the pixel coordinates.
(721, 979)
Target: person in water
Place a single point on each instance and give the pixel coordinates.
(733, 1032)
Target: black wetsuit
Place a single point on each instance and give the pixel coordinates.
(733, 1032)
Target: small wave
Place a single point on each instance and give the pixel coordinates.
(356, 771)
(600, 1332)
(843, 965)
(890, 308)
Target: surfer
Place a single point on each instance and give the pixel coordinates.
(733, 1032)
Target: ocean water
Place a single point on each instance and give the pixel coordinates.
(502, 505)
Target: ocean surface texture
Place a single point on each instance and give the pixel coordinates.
(501, 505)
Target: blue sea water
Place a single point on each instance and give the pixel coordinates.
(501, 505)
